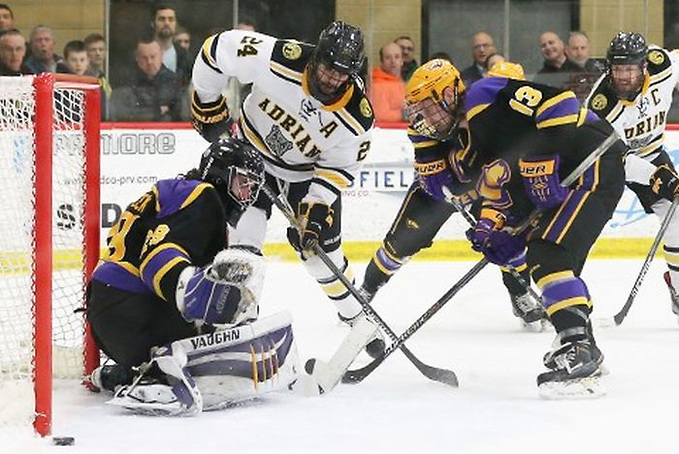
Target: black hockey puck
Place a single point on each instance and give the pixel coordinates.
(63, 441)
(309, 366)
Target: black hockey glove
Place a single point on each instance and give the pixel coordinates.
(314, 218)
(212, 119)
(665, 182)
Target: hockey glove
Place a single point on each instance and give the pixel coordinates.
(665, 182)
(499, 247)
(314, 218)
(540, 176)
(219, 294)
(211, 119)
(435, 177)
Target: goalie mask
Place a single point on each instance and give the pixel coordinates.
(434, 99)
(626, 61)
(236, 169)
(336, 60)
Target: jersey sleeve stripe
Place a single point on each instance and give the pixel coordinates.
(476, 110)
(197, 191)
(651, 147)
(346, 125)
(615, 113)
(335, 178)
(209, 53)
(351, 123)
(346, 175)
(554, 101)
(558, 107)
(558, 121)
(286, 73)
(159, 261)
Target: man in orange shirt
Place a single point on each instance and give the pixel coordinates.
(388, 89)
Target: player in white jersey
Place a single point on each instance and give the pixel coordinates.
(310, 119)
(634, 95)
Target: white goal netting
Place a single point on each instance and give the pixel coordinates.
(18, 189)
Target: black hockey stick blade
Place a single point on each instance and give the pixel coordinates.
(445, 376)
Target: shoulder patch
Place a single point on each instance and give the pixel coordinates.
(603, 100)
(292, 54)
(658, 61)
(360, 109)
(599, 102)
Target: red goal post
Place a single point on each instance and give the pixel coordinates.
(49, 147)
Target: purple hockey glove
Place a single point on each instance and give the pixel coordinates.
(541, 180)
(497, 246)
(435, 177)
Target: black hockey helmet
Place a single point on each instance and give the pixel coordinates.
(235, 168)
(627, 48)
(340, 48)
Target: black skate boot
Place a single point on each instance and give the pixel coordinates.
(673, 293)
(109, 377)
(376, 346)
(575, 370)
(530, 311)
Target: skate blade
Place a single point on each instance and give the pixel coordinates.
(305, 386)
(576, 389)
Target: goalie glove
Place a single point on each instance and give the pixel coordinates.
(665, 182)
(224, 293)
(212, 120)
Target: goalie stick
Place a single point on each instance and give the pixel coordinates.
(358, 375)
(620, 316)
(441, 375)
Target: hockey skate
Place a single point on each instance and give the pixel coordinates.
(530, 311)
(376, 346)
(575, 369)
(673, 293)
(109, 377)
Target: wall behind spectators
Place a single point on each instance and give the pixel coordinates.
(70, 19)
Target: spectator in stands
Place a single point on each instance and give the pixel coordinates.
(154, 95)
(6, 17)
(441, 56)
(43, 58)
(481, 46)
(96, 52)
(12, 53)
(408, 51)
(578, 52)
(587, 70)
(557, 68)
(388, 89)
(175, 58)
(75, 56)
(183, 39)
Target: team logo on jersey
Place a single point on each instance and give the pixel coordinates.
(365, 108)
(277, 142)
(291, 50)
(599, 102)
(656, 57)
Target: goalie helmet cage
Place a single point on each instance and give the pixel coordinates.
(49, 246)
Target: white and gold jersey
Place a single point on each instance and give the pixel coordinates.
(299, 137)
(640, 122)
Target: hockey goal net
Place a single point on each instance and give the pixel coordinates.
(49, 238)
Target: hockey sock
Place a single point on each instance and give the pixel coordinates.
(567, 303)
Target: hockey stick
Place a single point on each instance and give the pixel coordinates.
(441, 375)
(357, 375)
(620, 316)
(472, 221)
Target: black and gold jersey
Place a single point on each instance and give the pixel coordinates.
(178, 223)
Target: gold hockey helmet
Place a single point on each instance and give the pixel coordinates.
(507, 69)
(427, 109)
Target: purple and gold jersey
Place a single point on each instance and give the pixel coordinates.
(509, 119)
(156, 237)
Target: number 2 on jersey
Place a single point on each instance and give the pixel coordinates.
(525, 99)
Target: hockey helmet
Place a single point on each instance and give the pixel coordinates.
(507, 69)
(235, 168)
(340, 49)
(627, 48)
(427, 110)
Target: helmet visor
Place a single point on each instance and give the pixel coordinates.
(429, 118)
(243, 186)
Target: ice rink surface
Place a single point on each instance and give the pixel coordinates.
(496, 409)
